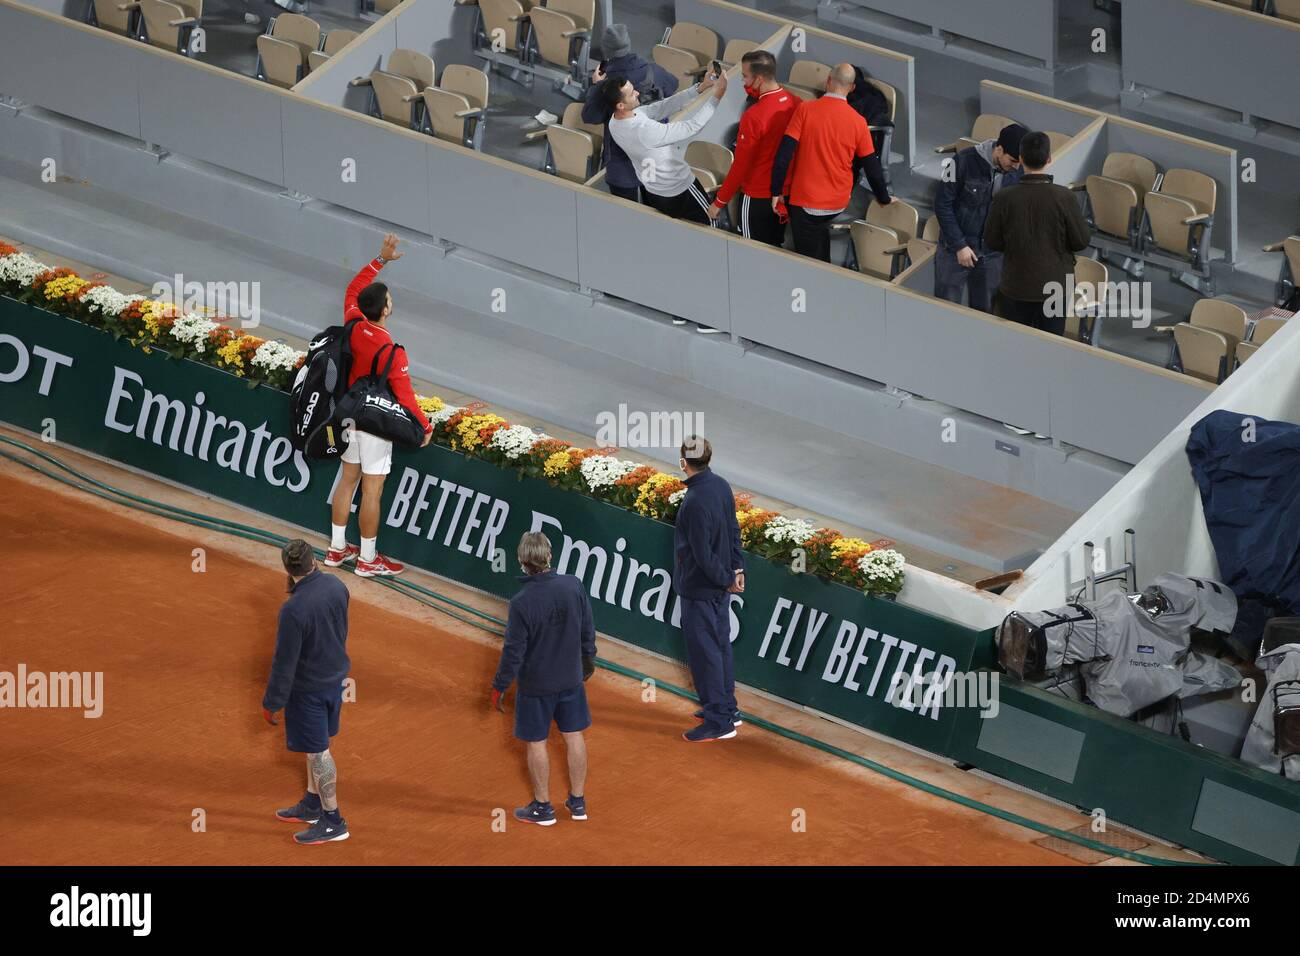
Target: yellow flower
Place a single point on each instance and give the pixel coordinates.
(842, 546)
(63, 287)
(557, 464)
(229, 355)
(652, 496)
(467, 429)
(429, 404)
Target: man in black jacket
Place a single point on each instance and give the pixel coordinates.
(1039, 228)
(651, 80)
(708, 566)
(961, 205)
(551, 648)
(307, 674)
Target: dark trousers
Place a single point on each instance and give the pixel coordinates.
(1029, 313)
(626, 192)
(706, 626)
(690, 204)
(980, 281)
(812, 234)
(758, 221)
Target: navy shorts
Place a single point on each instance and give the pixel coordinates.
(568, 708)
(310, 720)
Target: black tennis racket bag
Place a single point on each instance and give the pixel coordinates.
(319, 385)
(370, 406)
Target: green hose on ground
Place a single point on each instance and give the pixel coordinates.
(467, 614)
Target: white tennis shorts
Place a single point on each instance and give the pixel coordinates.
(372, 453)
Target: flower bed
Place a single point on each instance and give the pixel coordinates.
(472, 430)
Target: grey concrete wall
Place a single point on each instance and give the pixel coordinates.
(1022, 26)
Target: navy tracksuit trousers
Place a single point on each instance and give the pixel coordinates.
(706, 627)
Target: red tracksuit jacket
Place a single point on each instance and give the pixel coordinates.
(368, 338)
(761, 127)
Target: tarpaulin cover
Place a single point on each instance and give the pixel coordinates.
(1248, 473)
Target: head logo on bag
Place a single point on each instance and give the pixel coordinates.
(319, 385)
(375, 410)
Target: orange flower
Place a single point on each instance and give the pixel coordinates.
(636, 478)
(6, 249)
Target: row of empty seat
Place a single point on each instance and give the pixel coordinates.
(161, 23)
(1217, 338)
(988, 126)
(404, 92)
(552, 40)
(1137, 210)
(293, 45)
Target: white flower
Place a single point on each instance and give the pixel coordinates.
(794, 530)
(272, 356)
(676, 497)
(21, 268)
(107, 300)
(884, 565)
(193, 330)
(441, 415)
(515, 440)
(602, 470)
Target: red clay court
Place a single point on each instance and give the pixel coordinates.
(423, 761)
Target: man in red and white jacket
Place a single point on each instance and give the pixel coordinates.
(761, 127)
(369, 458)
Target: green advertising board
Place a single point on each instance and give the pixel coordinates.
(796, 636)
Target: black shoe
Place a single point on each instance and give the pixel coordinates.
(705, 733)
(735, 718)
(577, 807)
(322, 831)
(299, 813)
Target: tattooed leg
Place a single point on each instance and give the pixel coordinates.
(326, 774)
(311, 778)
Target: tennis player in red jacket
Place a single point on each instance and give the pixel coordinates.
(369, 458)
(761, 127)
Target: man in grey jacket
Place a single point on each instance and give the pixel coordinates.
(657, 148)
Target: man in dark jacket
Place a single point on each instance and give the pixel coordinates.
(966, 191)
(708, 566)
(307, 674)
(1039, 228)
(551, 648)
(651, 80)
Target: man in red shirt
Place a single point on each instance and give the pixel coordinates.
(828, 141)
(761, 127)
(369, 458)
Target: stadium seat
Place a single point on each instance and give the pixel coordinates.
(1202, 353)
(1180, 217)
(282, 51)
(397, 93)
(1244, 351)
(1115, 198)
(1057, 140)
(572, 119)
(506, 19)
(700, 42)
(1223, 317)
(932, 232)
(710, 162)
(1082, 311)
(1290, 269)
(570, 153)
(879, 243)
(884, 143)
(561, 35)
(680, 63)
(987, 126)
(335, 40)
(1264, 329)
(807, 78)
(735, 51)
(113, 15)
(167, 25)
(454, 109)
